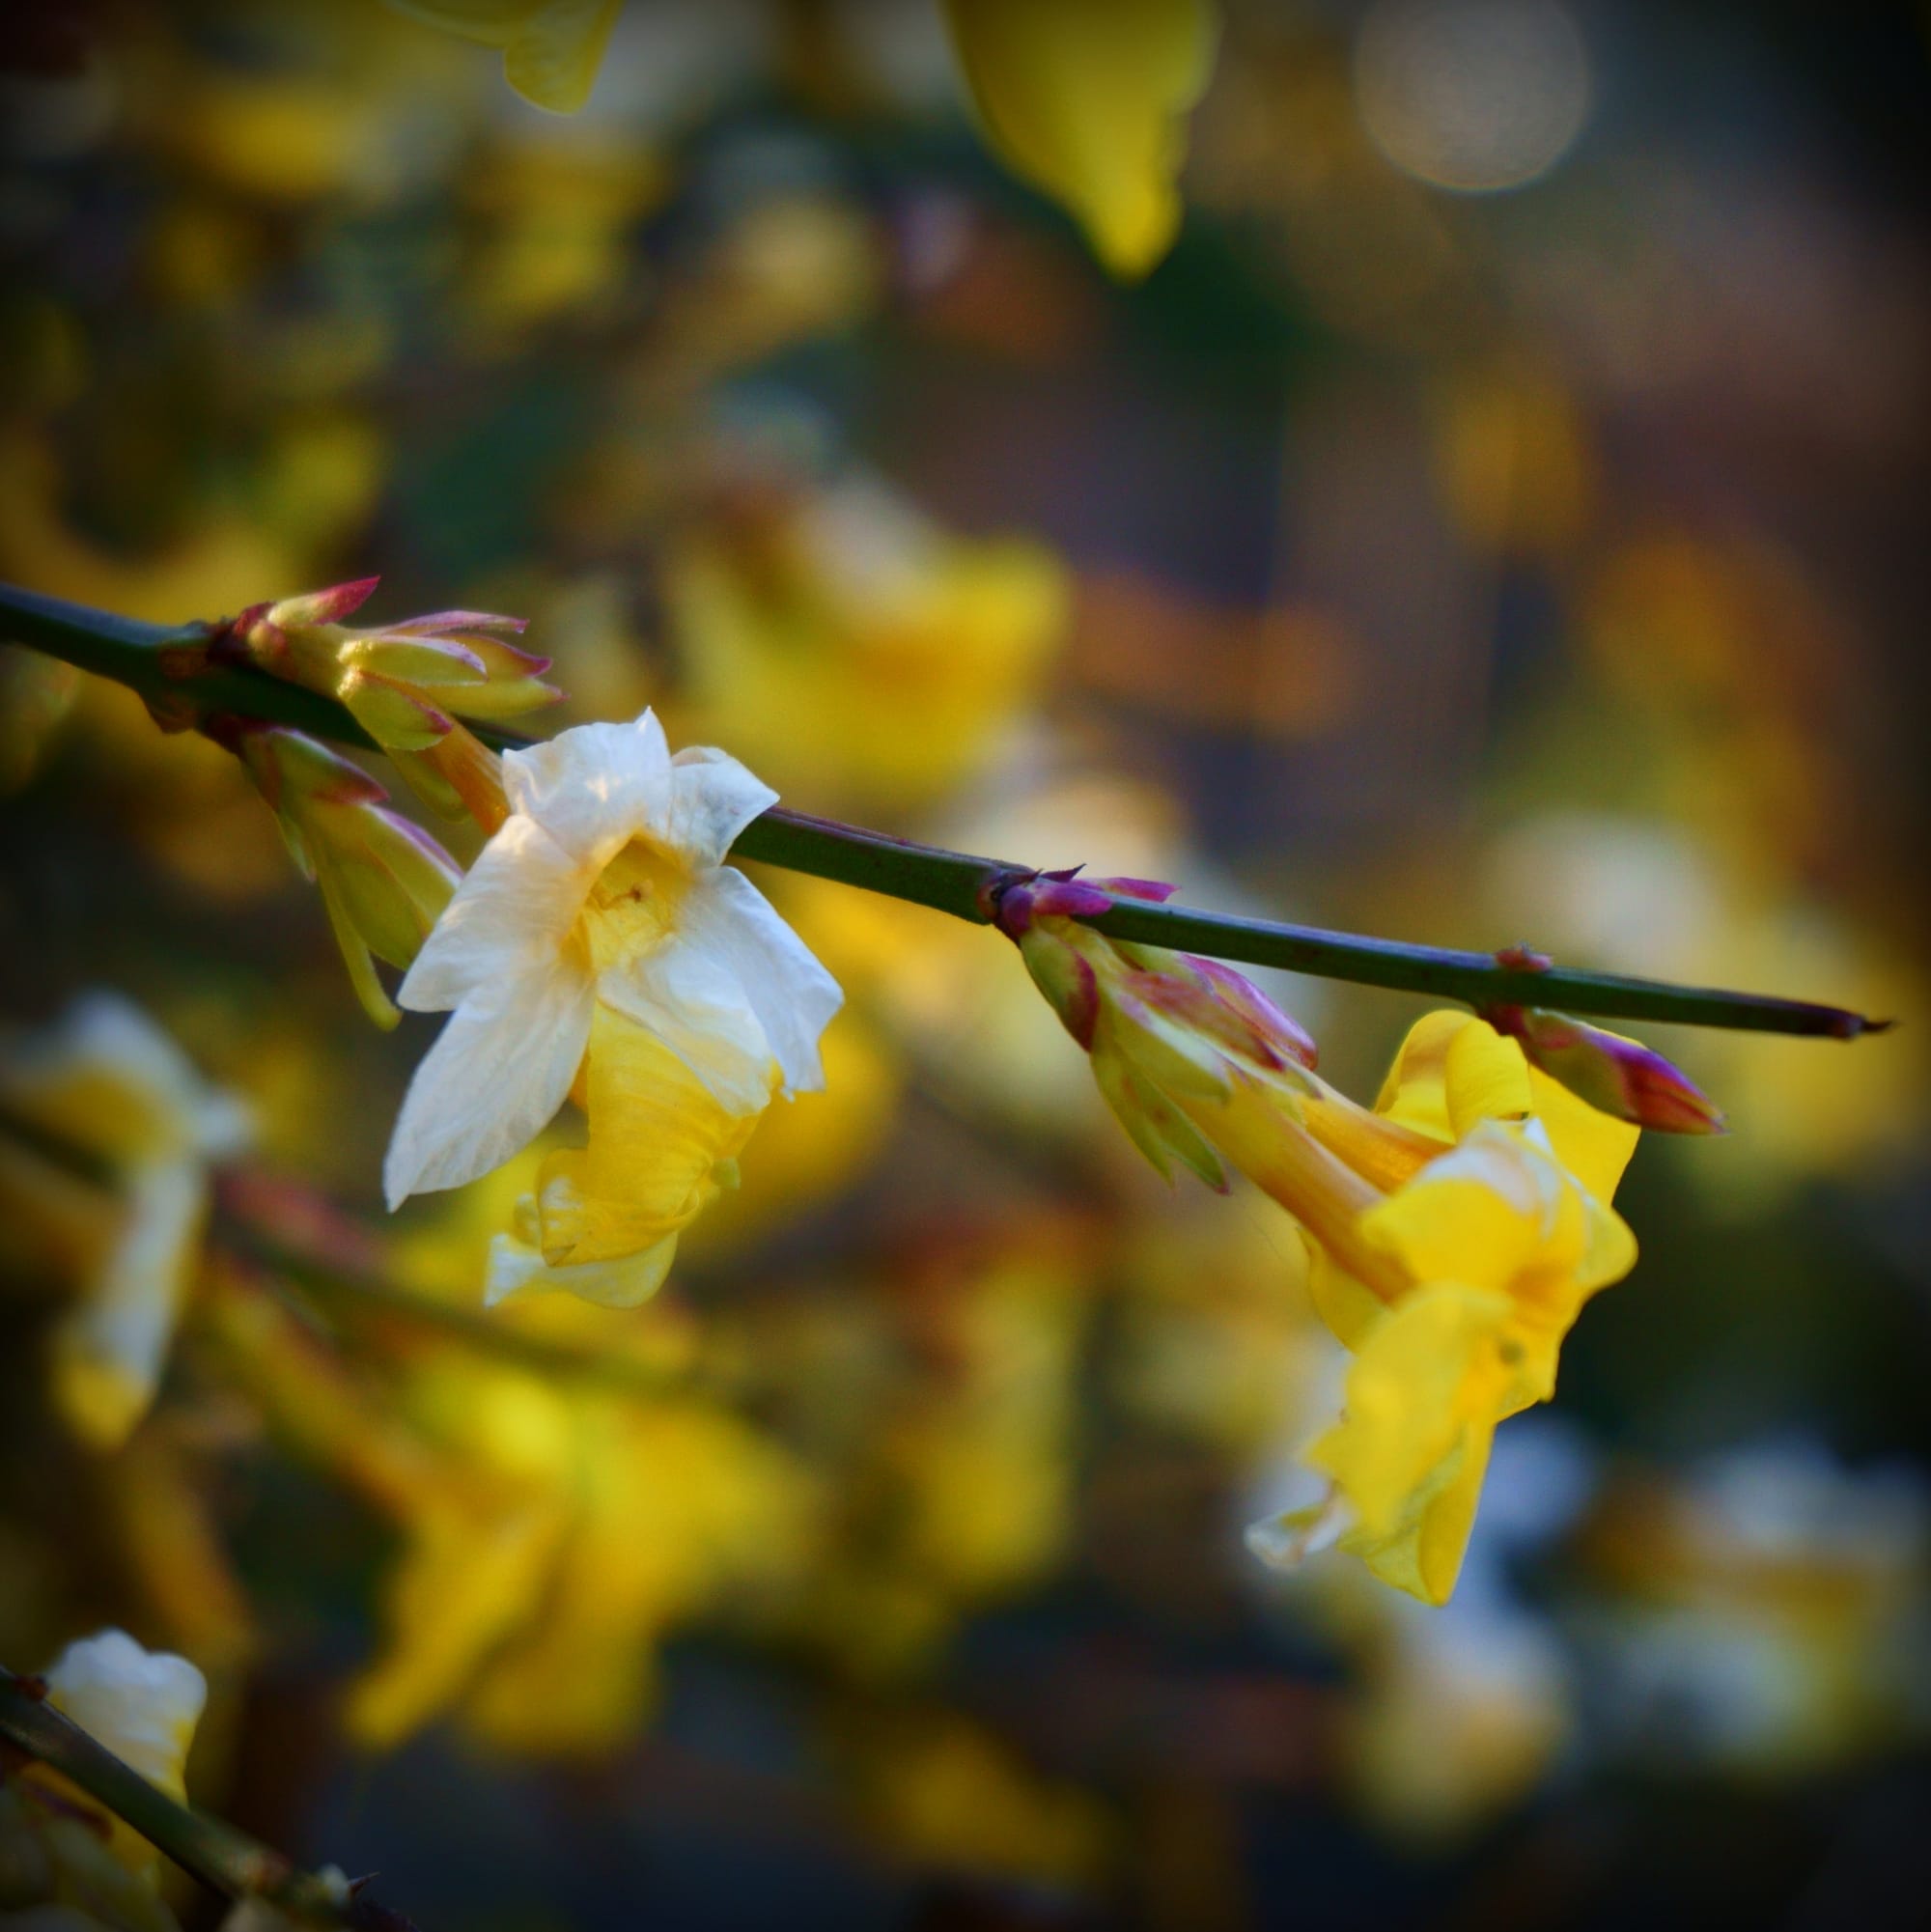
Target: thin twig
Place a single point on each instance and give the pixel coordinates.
(222, 1858)
(961, 884)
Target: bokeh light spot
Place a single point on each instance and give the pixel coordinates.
(1474, 95)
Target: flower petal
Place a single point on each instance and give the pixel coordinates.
(594, 787)
(689, 998)
(1593, 1146)
(659, 1141)
(713, 799)
(626, 1282)
(780, 977)
(1415, 1090)
(1481, 1213)
(142, 1704)
(1485, 1078)
(510, 919)
(1086, 100)
(491, 1083)
(109, 1351)
(553, 61)
(1424, 1398)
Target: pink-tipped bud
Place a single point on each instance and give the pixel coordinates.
(1617, 1076)
(383, 881)
(405, 684)
(321, 607)
(1164, 1028)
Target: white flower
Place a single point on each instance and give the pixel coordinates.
(106, 1079)
(142, 1704)
(605, 888)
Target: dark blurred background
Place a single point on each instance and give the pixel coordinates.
(1500, 517)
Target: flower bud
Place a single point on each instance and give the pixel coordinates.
(405, 684)
(383, 881)
(1162, 1026)
(1617, 1076)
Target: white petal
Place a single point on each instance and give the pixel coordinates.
(142, 1704)
(169, 1108)
(780, 978)
(109, 1351)
(491, 1083)
(689, 998)
(626, 1282)
(713, 799)
(594, 787)
(508, 920)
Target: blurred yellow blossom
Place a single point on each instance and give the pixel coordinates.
(108, 1083)
(601, 931)
(552, 48)
(1087, 101)
(561, 1534)
(946, 1793)
(195, 568)
(857, 652)
(942, 1397)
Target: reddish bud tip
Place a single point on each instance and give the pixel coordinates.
(1284, 1033)
(1523, 959)
(341, 600)
(1617, 1076)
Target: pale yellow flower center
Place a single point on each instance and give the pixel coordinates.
(633, 907)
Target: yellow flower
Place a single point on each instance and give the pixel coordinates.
(108, 1082)
(599, 931)
(946, 1793)
(1086, 100)
(552, 48)
(1455, 1230)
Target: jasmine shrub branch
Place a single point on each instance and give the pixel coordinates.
(223, 1859)
(149, 658)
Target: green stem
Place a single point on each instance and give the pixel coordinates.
(959, 882)
(225, 1860)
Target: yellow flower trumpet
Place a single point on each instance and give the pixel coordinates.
(1455, 1229)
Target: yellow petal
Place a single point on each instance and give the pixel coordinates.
(1424, 1555)
(1477, 1214)
(1085, 98)
(658, 1140)
(469, 1579)
(1351, 1311)
(1424, 1398)
(552, 48)
(1594, 1147)
(1415, 1090)
(1485, 1078)
(109, 1350)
